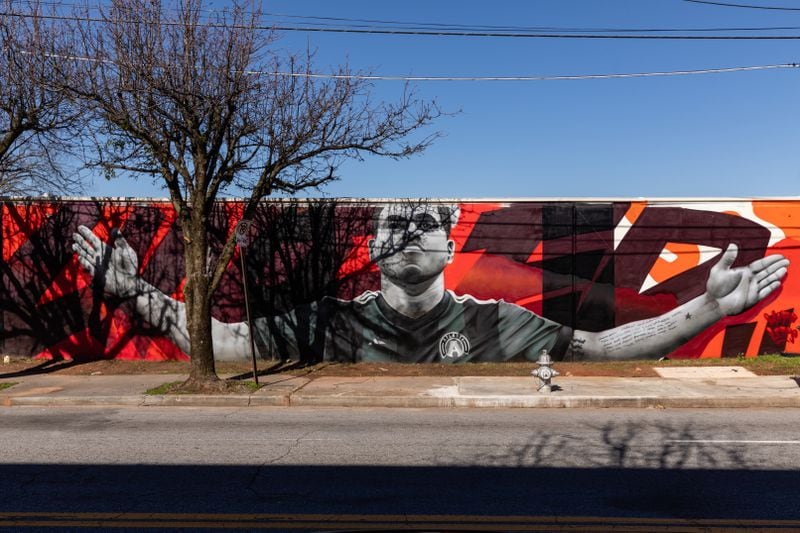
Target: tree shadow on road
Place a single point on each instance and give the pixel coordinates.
(641, 468)
(644, 467)
(629, 444)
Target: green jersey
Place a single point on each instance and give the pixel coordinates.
(367, 329)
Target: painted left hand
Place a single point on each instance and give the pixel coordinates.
(738, 289)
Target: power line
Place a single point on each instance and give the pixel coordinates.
(744, 6)
(434, 33)
(372, 77)
(367, 77)
(532, 35)
(439, 26)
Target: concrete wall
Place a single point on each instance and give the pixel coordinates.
(589, 265)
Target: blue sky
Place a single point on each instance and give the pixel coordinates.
(733, 134)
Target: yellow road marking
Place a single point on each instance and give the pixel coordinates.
(398, 527)
(381, 517)
(389, 522)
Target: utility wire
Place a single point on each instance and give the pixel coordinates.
(342, 23)
(544, 35)
(368, 77)
(744, 6)
(435, 33)
(372, 77)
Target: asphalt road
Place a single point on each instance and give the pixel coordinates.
(352, 468)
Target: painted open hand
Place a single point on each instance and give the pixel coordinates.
(738, 289)
(115, 268)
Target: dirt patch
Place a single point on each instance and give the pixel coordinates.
(27, 365)
(764, 365)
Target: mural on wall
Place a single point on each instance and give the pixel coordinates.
(410, 281)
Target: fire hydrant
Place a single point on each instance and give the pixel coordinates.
(544, 372)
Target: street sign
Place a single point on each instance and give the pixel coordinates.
(243, 240)
(243, 232)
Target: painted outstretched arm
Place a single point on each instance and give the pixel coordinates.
(116, 268)
(729, 291)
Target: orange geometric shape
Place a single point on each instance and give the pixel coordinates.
(20, 221)
(461, 266)
(537, 255)
(675, 259)
(112, 216)
(783, 214)
(158, 349)
(467, 218)
(178, 294)
(357, 260)
(627, 221)
(168, 220)
(634, 210)
(499, 277)
(531, 301)
(235, 213)
(463, 262)
(119, 339)
(80, 346)
(72, 278)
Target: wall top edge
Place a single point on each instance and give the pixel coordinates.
(597, 199)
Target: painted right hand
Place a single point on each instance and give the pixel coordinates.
(115, 268)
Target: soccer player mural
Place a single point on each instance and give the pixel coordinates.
(414, 317)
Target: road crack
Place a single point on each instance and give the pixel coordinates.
(251, 485)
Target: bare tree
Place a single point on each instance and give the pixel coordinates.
(37, 122)
(206, 104)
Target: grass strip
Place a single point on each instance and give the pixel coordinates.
(164, 388)
(173, 387)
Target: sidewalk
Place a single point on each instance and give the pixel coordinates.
(678, 387)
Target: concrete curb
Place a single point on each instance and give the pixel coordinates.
(404, 401)
(543, 402)
(52, 401)
(701, 391)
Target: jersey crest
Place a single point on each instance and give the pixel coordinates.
(453, 345)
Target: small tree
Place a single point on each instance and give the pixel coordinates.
(36, 120)
(208, 107)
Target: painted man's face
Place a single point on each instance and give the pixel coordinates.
(411, 244)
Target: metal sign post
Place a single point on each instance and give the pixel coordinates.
(243, 240)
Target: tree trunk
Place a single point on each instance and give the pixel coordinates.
(198, 305)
